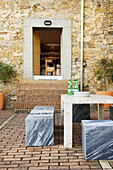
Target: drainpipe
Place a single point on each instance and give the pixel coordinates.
(82, 16)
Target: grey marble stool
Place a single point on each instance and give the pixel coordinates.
(39, 126)
(111, 112)
(97, 139)
(43, 107)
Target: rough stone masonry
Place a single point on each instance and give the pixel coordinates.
(98, 36)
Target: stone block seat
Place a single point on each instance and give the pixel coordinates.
(42, 108)
(97, 139)
(39, 126)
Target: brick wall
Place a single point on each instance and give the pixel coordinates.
(40, 93)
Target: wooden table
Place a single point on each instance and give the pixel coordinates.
(66, 111)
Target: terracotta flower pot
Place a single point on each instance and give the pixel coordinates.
(1, 101)
(109, 93)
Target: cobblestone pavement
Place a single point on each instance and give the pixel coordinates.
(14, 154)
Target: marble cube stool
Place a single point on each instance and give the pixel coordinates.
(43, 110)
(81, 112)
(97, 139)
(111, 112)
(39, 125)
(44, 107)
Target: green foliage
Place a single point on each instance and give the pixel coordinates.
(104, 67)
(7, 72)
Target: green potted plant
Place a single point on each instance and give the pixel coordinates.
(104, 70)
(7, 72)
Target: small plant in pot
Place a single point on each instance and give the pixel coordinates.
(104, 70)
(7, 72)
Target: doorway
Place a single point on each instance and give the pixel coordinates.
(47, 46)
(34, 66)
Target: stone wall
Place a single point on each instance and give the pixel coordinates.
(98, 39)
(98, 35)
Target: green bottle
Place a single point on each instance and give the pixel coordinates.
(74, 86)
(69, 87)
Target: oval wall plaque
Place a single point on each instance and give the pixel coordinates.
(47, 22)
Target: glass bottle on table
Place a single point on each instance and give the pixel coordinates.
(69, 87)
(74, 86)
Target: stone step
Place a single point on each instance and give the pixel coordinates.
(38, 92)
(39, 98)
(59, 84)
(31, 105)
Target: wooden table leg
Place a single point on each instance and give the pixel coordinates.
(100, 111)
(67, 125)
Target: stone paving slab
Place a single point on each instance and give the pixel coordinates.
(14, 154)
(5, 114)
